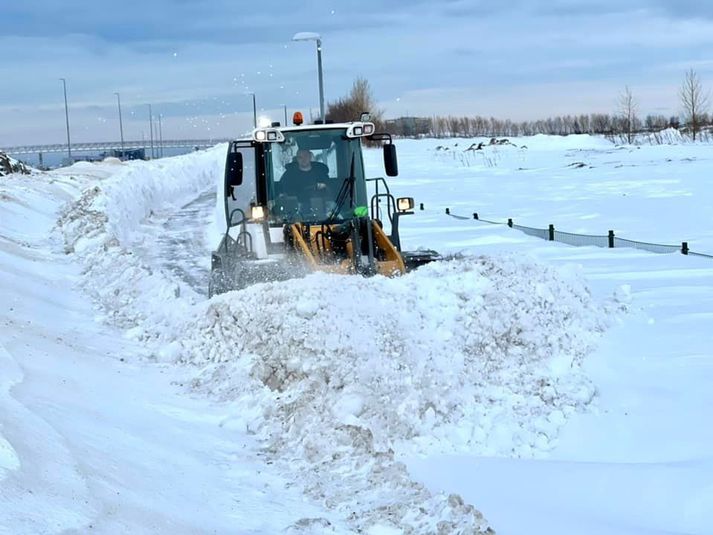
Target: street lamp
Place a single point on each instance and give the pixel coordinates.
(151, 131)
(254, 109)
(160, 136)
(285, 106)
(66, 116)
(121, 124)
(311, 36)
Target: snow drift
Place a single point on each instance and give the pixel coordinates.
(478, 352)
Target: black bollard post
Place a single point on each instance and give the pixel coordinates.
(611, 239)
(552, 232)
(684, 247)
(510, 222)
(448, 211)
(475, 215)
(421, 206)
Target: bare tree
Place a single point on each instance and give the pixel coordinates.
(627, 109)
(349, 108)
(693, 100)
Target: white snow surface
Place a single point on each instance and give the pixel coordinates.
(376, 405)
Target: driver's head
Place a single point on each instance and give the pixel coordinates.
(304, 159)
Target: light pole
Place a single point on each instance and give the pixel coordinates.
(285, 106)
(254, 109)
(160, 136)
(66, 116)
(151, 130)
(311, 36)
(121, 124)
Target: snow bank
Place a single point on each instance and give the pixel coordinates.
(105, 227)
(473, 354)
(150, 187)
(337, 373)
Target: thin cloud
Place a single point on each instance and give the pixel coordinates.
(200, 58)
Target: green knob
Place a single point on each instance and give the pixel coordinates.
(361, 211)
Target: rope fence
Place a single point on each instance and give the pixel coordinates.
(581, 240)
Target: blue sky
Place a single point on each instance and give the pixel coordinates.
(194, 61)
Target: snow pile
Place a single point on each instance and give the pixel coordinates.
(477, 353)
(148, 188)
(336, 373)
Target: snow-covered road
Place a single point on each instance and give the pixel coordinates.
(178, 243)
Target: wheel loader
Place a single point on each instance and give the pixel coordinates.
(345, 223)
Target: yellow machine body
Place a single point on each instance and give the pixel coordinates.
(317, 245)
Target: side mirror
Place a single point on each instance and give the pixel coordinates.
(233, 172)
(390, 163)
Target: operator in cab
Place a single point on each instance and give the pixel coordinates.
(304, 177)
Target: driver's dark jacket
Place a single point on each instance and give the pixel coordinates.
(297, 183)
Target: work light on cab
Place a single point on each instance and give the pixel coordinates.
(360, 129)
(268, 134)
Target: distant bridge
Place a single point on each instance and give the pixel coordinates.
(113, 145)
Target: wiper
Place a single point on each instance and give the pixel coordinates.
(347, 188)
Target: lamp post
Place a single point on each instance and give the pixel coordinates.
(311, 36)
(66, 116)
(151, 131)
(121, 124)
(160, 136)
(285, 106)
(254, 109)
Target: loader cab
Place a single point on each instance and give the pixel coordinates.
(333, 187)
(258, 171)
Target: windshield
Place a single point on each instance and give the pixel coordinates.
(308, 175)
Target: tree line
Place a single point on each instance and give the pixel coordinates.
(624, 121)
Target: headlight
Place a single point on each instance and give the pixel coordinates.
(404, 204)
(257, 213)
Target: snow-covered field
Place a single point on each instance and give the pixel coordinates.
(524, 387)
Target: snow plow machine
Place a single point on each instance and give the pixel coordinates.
(295, 200)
